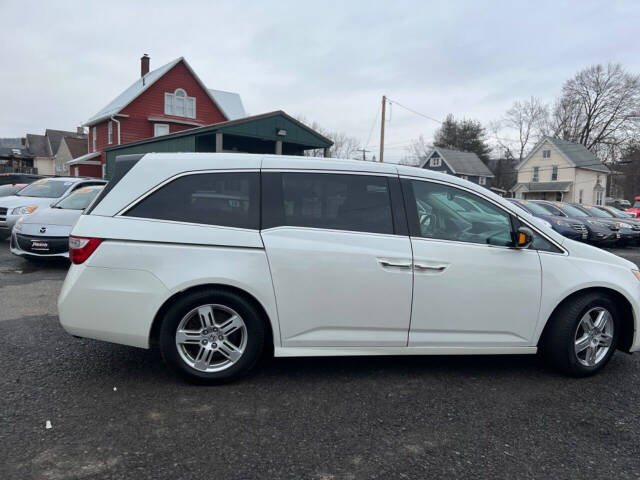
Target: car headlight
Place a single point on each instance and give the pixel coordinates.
(597, 223)
(562, 223)
(24, 210)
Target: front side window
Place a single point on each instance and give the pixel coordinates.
(179, 104)
(536, 174)
(229, 199)
(327, 200)
(447, 213)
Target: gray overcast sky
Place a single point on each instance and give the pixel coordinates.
(327, 61)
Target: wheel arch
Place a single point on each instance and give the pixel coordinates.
(626, 312)
(154, 332)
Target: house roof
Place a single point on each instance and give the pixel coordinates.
(38, 145)
(542, 186)
(461, 163)
(77, 146)
(14, 152)
(85, 159)
(575, 153)
(56, 136)
(11, 143)
(143, 83)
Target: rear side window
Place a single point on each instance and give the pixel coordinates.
(225, 199)
(333, 201)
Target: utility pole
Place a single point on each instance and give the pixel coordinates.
(384, 104)
(364, 152)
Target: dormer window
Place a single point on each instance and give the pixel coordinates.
(179, 104)
(436, 161)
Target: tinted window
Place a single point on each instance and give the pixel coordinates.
(447, 213)
(326, 200)
(226, 199)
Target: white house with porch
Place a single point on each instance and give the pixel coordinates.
(558, 170)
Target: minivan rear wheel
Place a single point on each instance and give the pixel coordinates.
(582, 335)
(211, 336)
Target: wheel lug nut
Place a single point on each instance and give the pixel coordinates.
(220, 337)
(204, 342)
(215, 329)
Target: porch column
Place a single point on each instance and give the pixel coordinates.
(278, 147)
(325, 152)
(218, 142)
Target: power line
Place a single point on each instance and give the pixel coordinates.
(375, 120)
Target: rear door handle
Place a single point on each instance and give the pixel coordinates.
(390, 264)
(432, 268)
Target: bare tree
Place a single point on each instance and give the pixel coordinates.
(418, 151)
(597, 108)
(344, 146)
(525, 120)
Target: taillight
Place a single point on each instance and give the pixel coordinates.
(81, 248)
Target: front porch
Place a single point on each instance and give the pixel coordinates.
(552, 191)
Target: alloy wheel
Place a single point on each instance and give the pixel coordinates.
(211, 338)
(594, 336)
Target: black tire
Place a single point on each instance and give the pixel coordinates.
(557, 345)
(255, 331)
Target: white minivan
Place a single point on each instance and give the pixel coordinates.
(215, 258)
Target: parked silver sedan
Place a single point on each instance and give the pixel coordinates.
(45, 233)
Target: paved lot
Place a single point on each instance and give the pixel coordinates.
(117, 413)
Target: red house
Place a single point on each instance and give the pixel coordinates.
(166, 100)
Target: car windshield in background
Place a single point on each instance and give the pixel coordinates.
(45, 189)
(636, 204)
(620, 213)
(78, 200)
(596, 212)
(572, 211)
(534, 208)
(6, 190)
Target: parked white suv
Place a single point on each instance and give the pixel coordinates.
(217, 257)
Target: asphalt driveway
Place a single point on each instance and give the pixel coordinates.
(116, 412)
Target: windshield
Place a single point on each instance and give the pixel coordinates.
(620, 213)
(596, 212)
(45, 189)
(572, 211)
(636, 204)
(78, 200)
(534, 208)
(552, 210)
(6, 190)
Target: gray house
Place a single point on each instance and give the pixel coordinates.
(465, 165)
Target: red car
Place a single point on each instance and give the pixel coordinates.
(636, 207)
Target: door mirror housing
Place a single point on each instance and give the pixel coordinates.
(524, 238)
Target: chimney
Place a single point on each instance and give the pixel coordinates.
(144, 65)
(80, 130)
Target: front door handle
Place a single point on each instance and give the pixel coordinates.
(432, 268)
(390, 264)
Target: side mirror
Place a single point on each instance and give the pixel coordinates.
(524, 238)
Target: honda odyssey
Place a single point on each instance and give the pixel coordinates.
(215, 258)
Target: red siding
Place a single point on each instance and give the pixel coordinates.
(151, 104)
(86, 171)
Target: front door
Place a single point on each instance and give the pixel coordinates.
(340, 270)
(471, 288)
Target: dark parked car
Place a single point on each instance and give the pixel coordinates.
(6, 178)
(601, 232)
(629, 231)
(568, 227)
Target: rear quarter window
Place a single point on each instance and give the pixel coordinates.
(229, 199)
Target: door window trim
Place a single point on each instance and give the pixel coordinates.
(525, 222)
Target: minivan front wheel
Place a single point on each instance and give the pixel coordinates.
(212, 336)
(582, 335)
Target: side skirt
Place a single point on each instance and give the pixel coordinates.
(375, 351)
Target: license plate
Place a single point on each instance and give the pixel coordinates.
(39, 245)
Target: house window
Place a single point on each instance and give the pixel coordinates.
(554, 173)
(536, 174)
(482, 180)
(179, 104)
(160, 129)
(95, 138)
(436, 161)
(599, 197)
(110, 132)
(580, 197)
(546, 154)
(464, 177)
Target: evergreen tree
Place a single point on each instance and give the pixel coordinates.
(467, 135)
